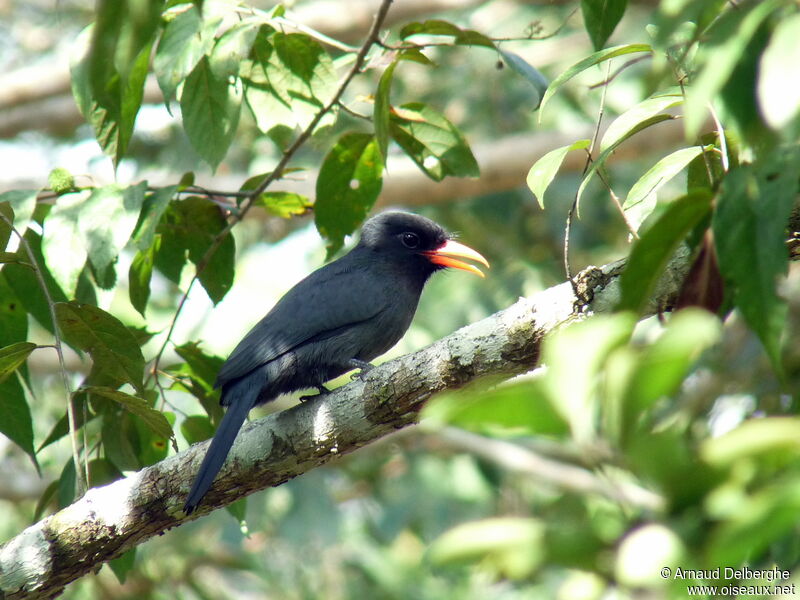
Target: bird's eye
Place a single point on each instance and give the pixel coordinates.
(410, 240)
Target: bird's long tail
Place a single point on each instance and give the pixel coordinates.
(241, 397)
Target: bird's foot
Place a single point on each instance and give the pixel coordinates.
(322, 392)
(360, 364)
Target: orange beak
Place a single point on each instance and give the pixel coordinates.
(444, 256)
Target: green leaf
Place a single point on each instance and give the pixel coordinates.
(109, 100)
(153, 207)
(96, 226)
(432, 142)
(651, 253)
(760, 519)
(779, 102)
(64, 246)
(291, 79)
(13, 317)
(600, 18)
(16, 424)
(590, 61)
(723, 48)
(284, 204)
(232, 48)
(61, 428)
(662, 367)
(520, 66)
(196, 429)
(512, 546)
(186, 39)
(119, 436)
(210, 106)
(11, 357)
(154, 419)
(25, 284)
(620, 137)
(621, 127)
(576, 356)
(462, 37)
(544, 170)
(749, 223)
(190, 226)
(380, 116)
(641, 197)
(23, 202)
(777, 436)
(348, 185)
(122, 565)
(139, 276)
(60, 181)
(116, 356)
(519, 408)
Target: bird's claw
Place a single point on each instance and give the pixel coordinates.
(321, 391)
(364, 367)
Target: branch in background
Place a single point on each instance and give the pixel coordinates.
(112, 519)
(560, 475)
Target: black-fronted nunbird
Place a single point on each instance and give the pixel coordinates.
(338, 318)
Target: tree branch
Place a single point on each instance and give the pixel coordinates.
(110, 520)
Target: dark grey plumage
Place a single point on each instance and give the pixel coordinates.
(349, 311)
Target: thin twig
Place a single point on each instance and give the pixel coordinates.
(616, 73)
(723, 145)
(559, 474)
(277, 172)
(573, 208)
(81, 477)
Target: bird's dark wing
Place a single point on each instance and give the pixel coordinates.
(335, 296)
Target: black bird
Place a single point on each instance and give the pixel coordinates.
(338, 318)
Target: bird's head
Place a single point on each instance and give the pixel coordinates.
(412, 239)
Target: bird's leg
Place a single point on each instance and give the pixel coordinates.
(322, 391)
(359, 364)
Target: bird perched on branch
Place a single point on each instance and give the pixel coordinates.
(337, 319)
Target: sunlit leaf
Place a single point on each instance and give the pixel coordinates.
(633, 117)
(210, 106)
(433, 142)
(590, 61)
(292, 77)
(778, 87)
(186, 39)
(381, 114)
(462, 37)
(11, 357)
(726, 41)
(515, 408)
(511, 546)
(544, 170)
(284, 204)
(153, 208)
(640, 201)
